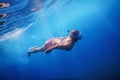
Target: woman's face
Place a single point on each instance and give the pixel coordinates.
(74, 33)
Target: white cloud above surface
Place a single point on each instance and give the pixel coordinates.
(14, 34)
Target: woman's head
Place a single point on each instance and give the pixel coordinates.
(75, 34)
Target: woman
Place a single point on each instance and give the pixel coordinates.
(63, 43)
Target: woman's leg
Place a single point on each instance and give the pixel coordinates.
(35, 50)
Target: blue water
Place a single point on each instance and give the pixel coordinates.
(32, 22)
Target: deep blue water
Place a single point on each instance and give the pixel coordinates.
(32, 22)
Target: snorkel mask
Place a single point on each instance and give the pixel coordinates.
(76, 34)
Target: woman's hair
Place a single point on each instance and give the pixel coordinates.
(74, 34)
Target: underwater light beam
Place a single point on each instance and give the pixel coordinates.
(14, 34)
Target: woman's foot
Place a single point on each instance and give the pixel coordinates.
(32, 50)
